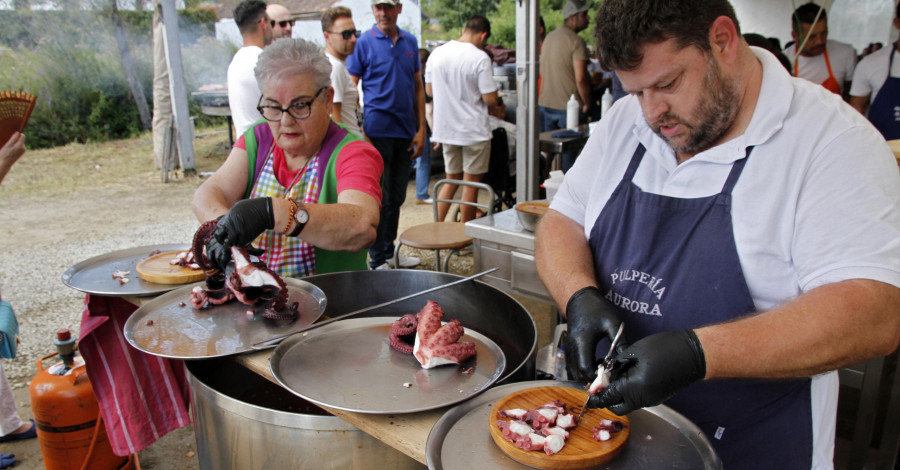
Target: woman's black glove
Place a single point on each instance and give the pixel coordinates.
(589, 319)
(653, 370)
(239, 227)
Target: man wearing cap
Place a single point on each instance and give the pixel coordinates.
(386, 59)
(280, 20)
(243, 91)
(564, 61)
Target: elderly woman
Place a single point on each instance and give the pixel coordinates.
(296, 184)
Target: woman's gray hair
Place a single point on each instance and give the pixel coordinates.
(288, 57)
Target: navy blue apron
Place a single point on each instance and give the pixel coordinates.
(885, 110)
(671, 264)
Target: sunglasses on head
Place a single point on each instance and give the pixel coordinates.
(283, 24)
(347, 33)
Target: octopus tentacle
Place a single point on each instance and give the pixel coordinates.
(401, 344)
(201, 236)
(405, 325)
(403, 332)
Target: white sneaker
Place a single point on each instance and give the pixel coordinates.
(383, 266)
(405, 261)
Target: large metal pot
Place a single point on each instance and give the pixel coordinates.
(244, 422)
(476, 305)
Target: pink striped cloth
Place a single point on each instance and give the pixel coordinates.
(142, 397)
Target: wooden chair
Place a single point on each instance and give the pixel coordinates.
(439, 236)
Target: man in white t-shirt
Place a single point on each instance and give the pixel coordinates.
(459, 75)
(243, 91)
(280, 20)
(877, 77)
(741, 224)
(821, 60)
(340, 40)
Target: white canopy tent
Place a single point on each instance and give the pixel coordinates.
(856, 22)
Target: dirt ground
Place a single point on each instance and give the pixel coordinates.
(97, 196)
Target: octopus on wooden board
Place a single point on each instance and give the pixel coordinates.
(544, 428)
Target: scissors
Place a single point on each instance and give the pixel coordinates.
(604, 367)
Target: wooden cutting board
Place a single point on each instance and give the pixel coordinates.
(581, 450)
(157, 269)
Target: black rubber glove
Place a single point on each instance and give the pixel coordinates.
(239, 227)
(589, 319)
(653, 370)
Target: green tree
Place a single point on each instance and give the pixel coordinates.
(453, 14)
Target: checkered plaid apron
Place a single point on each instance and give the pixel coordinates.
(287, 256)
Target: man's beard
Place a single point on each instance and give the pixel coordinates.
(716, 111)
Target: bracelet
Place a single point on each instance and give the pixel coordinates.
(291, 219)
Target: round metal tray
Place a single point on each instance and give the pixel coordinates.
(169, 326)
(660, 437)
(94, 275)
(350, 365)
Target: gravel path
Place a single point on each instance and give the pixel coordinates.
(31, 283)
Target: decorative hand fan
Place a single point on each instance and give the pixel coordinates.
(15, 109)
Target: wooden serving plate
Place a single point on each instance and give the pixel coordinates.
(157, 269)
(581, 450)
(533, 207)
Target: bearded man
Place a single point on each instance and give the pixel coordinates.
(741, 223)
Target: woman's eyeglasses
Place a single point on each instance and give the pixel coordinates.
(347, 33)
(283, 24)
(298, 110)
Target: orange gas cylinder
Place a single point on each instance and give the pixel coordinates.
(69, 428)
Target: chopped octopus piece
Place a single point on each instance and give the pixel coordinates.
(548, 427)
(514, 430)
(542, 415)
(566, 421)
(606, 428)
(437, 344)
(601, 382)
(185, 259)
(555, 431)
(120, 274)
(532, 441)
(553, 444)
(515, 413)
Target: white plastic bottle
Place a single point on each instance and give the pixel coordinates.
(572, 113)
(560, 370)
(606, 102)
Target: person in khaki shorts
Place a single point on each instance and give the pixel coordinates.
(459, 75)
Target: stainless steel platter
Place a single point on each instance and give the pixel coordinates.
(169, 326)
(94, 275)
(350, 365)
(660, 437)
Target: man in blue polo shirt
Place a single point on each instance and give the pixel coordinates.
(386, 59)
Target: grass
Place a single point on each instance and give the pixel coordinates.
(114, 167)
